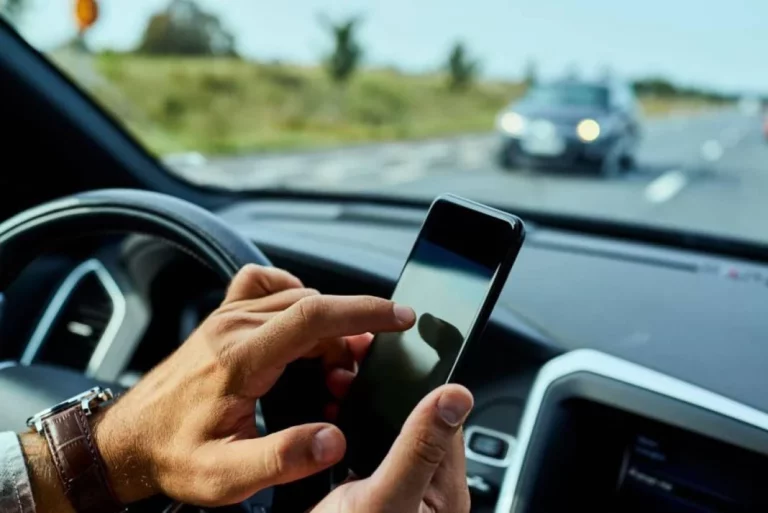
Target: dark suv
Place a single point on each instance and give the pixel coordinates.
(571, 124)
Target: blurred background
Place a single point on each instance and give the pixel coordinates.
(644, 112)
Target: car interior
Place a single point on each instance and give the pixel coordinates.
(623, 368)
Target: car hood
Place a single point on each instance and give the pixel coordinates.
(559, 113)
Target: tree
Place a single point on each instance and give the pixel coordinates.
(656, 86)
(347, 53)
(462, 70)
(185, 29)
(531, 74)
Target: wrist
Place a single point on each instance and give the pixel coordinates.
(46, 486)
(128, 470)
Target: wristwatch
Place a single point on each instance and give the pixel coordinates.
(73, 450)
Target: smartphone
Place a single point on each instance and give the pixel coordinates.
(452, 279)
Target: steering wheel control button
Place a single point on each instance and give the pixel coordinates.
(488, 446)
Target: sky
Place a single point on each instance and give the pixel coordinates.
(715, 44)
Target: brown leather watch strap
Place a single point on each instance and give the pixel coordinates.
(78, 462)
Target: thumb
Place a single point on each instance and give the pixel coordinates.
(426, 438)
(282, 457)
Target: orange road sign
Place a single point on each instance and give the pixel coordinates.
(86, 13)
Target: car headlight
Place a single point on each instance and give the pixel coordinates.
(588, 130)
(512, 123)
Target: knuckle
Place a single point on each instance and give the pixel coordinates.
(429, 448)
(247, 275)
(371, 304)
(251, 271)
(310, 308)
(310, 292)
(286, 276)
(276, 460)
(225, 323)
(272, 279)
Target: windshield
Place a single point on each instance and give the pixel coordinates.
(404, 99)
(574, 95)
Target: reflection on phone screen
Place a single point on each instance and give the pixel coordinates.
(446, 290)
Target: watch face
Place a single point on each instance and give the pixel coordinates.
(83, 400)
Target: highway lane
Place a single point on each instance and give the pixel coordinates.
(730, 195)
(707, 172)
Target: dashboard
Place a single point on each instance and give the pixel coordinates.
(117, 308)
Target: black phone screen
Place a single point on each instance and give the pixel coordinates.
(446, 290)
(447, 280)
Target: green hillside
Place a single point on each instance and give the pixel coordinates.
(230, 105)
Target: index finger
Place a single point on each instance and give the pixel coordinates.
(295, 331)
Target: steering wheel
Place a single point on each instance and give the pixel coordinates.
(25, 390)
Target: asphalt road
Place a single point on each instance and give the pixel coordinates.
(707, 172)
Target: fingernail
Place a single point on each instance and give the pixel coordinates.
(327, 445)
(404, 314)
(454, 407)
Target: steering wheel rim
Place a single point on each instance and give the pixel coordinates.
(192, 229)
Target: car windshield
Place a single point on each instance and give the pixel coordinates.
(562, 95)
(407, 100)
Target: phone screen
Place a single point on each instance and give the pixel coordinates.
(446, 290)
(451, 280)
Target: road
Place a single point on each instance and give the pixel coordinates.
(707, 172)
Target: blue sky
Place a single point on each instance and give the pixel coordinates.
(696, 42)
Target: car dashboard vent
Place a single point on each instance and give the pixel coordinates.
(80, 319)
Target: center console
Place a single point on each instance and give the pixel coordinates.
(601, 434)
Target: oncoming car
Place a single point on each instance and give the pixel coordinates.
(571, 124)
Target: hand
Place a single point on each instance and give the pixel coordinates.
(424, 472)
(187, 429)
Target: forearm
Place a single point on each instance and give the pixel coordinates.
(46, 486)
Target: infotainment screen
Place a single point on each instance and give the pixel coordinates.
(595, 458)
(603, 445)
(665, 470)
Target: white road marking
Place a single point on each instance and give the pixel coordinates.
(666, 187)
(404, 174)
(712, 150)
(188, 159)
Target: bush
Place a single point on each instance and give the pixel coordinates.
(377, 104)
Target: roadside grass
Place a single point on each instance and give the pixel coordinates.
(659, 106)
(221, 106)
